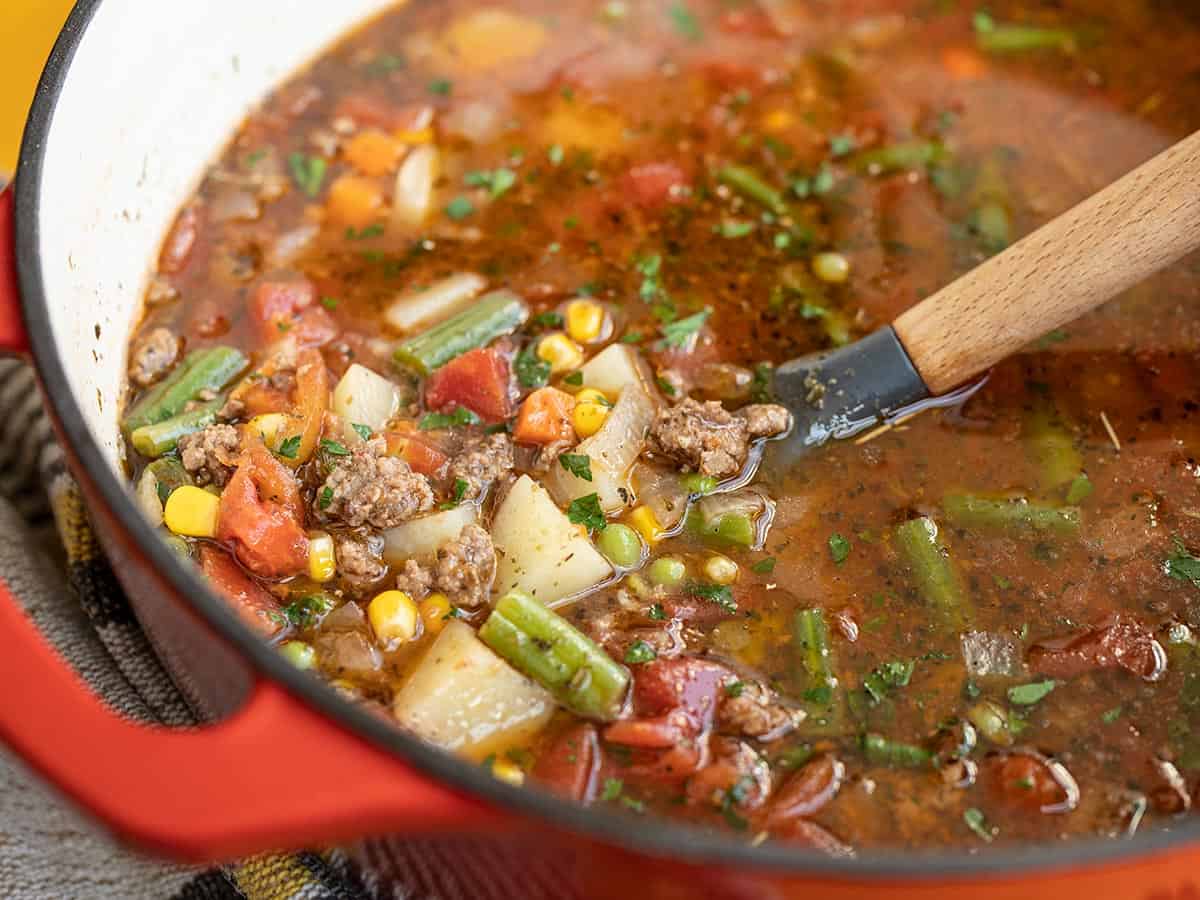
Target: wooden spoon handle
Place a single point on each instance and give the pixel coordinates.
(1089, 254)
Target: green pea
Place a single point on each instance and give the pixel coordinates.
(299, 654)
(737, 529)
(621, 545)
(667, 570)
(699, 484)
(178, 545)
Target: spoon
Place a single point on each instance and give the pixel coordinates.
(1109, 242)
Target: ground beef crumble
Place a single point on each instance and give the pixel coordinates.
(373, 489)
(707, 438)
(153, 356)
(211, 455)
(464, 570)
(360, 559)
(482, 462)
(753, 711)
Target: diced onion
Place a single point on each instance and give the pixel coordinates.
(438, 301)
(413, 198)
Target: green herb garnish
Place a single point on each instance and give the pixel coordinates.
(290, 447)
(677, 334)
(497, 181)
(459, 208)
(532, 371)
(586, 511)
(1029, 694)
(461, 417)
(720, 594)
(578, 464)
(640, 652)
(839, 548)
(308, 172)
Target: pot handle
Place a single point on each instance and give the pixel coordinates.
(246, 785)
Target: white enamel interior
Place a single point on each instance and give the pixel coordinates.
(155, 91)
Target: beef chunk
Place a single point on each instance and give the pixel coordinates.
(369, 488)
(482, 462)
(211, 455)
(466, 567)
(707, 438)
(153, 356)
(359, 559)
(463, 571)
(752, 710)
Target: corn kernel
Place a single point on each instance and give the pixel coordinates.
(354, 201)
(322, 563)
(832, 268)
(373, 153)
(192, 511)
(585, 320)
(721, 569)
(588, 418)
(591, 395)
(646, 524)
(270, 427)
(508, 772)
(394, 617)
(561, 352)
(778, 120)
(434, 610)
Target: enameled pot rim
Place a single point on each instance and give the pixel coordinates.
(652, 837)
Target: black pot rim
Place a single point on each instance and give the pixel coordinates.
(651, 837)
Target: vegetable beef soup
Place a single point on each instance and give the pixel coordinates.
(455, 381)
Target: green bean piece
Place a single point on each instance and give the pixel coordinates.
(551, 651)
(993, 225)
(1014, 517)
(902, 157)
(1024, 38)
(491, 316)
(207, 370)
(1052, 447)
(621, 545)
(696, 483)
(750, 185)
(937, 581)
(881, 751)
(818, 682)
(163, 437)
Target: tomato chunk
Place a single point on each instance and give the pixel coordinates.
(653, 185)
(569, 765)
(285, 306)
(249, 599)
(261, 515)
(1030, 783)
(478, 380)
(421, 456)
(1118, 645)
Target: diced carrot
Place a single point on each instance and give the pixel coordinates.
(261, 515)
(373, 152)
(545, 418)
(478, 380)
(963, 63)
(354, 201)
(257, 607)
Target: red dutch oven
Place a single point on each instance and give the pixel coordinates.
(114, 142)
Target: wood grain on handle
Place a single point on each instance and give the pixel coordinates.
(1111, 241)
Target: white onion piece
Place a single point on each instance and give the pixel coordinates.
(421, 538)
(148, 500)
(234, 204)
(291, 244)
(438, 301)
(476, 120)
(413, 198)
(662, 490)
(990, 653)
(364, 398)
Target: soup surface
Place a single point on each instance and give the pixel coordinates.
(455, 378)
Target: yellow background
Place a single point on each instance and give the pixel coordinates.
(27, 33)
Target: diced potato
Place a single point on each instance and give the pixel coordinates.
(539, 550)
(421, 538)
(364, 398)
(438, 301)
(613, 450)
(615, 368)
(490, 37)
(465, 698)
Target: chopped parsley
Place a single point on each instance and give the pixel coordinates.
(308, 172)
(329, 302)
(734, 228)
(442, 87)
(612, 789)
(575, 379)
(677, 334)
(385, 64)
(325, 499)
(362, 234)
(549, 319)
(555, 154)
(978, 823)
(764, 567)
(1110, 715)
(839, 548)
(307, 611)
(460, 491)
(736, 796)
(290, 447)
(720, 594)
(1182, 566)
(363, 431)
(842, 145)
(459, 208)
(1029, 694)
(532, 371)
(631, 337)
(640, 652)
(657, 613)
(578, 464)
(461, 417)
(497, 181)
(586, 511)
(886, 678)
(685, 22)
(665, 386)
(735, 690)
(334, 448)
(1079, 490)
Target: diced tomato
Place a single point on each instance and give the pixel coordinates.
(545, 418)
(653, 185)
(261, 516)
(731, 74)
(249, 599)
(177, 249)
(286, 307)
(311, 400)
(1024, 781)
(314, 327)
(804, 833)
(753, 22)
(1119, 645)
(478, 380)
(808, 791)
(569, 765)
(424, 458)
(736, 777)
